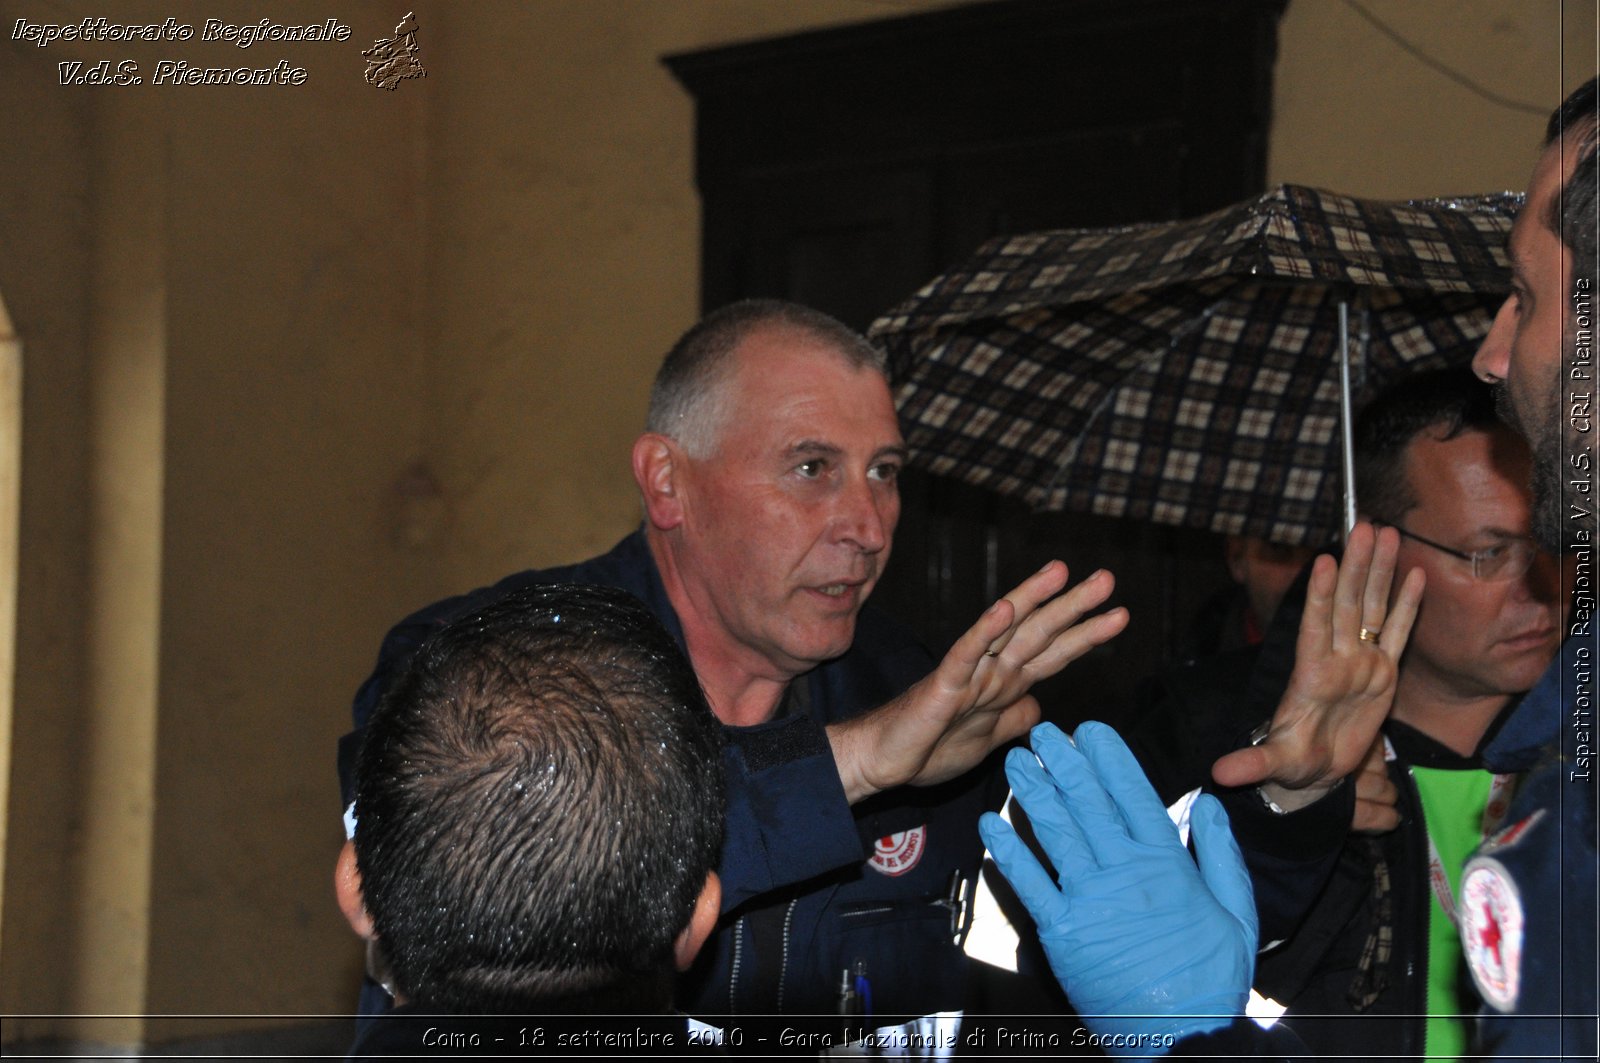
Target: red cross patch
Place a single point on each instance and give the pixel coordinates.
(895, 854)
(1491, 931)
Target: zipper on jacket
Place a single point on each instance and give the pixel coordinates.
(733, 973)
(783, 966)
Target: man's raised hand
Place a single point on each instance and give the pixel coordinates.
(1346, 666)
(977, 699)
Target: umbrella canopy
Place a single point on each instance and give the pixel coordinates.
(1187, 372)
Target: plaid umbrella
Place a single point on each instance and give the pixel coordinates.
(1188, 372)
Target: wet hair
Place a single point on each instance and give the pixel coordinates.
(688, 399)
(539, 800)
(1442, 402)
(1573, 213)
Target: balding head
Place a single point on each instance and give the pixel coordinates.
(689, 400)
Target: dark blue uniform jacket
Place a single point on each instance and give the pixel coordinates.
(811, 886)
(1545, 1006)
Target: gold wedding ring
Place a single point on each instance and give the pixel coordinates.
(1368, 635)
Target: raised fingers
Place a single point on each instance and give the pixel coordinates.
(1397, 628)
(1350, 589)
(1034, 886)
(1098, 821)
(1380, 579)
(1316, 620)
(1069, 645)
(1041, 792)
(1026, 596)
(961, 662)
(1055, 633)
(1142, 811)
(1221, 863)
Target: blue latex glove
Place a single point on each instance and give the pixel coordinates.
(1149, 947)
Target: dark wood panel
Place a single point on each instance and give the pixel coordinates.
(835, 239)
(984, 73)
(999, 190)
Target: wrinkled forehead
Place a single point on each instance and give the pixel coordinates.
(774, 361)
(787, 385)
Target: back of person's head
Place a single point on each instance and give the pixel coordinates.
(539, 809)
(686, 400)
(1442, 402)
(1574, 214)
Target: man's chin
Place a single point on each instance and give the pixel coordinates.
(1522, 672)
(819, 647)
(840, 646)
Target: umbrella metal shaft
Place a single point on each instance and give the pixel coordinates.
(1346, 418)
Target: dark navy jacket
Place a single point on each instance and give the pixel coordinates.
(811, 886)
(1545, 1004)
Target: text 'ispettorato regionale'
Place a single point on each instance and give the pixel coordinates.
(96, 30)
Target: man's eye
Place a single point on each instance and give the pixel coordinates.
(888, 472)
(811, 469)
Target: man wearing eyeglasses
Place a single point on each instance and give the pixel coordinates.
(1373, 934)
(1433, 461)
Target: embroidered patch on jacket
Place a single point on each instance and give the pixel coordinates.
(1491, 931)
(1508, 837)
(895, 854)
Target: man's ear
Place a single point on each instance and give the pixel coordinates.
(704, 920)
(347, 887)
(658, 469)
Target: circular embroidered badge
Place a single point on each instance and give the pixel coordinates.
(1491, 931)
(895, 854)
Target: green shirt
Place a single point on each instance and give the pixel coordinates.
(1452, 808)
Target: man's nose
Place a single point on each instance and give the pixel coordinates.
(861, 518)
(1493, 361)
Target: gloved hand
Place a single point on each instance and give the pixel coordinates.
(1149, 947)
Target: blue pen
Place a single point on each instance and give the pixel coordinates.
(863, 988)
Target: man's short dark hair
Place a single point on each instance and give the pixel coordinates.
(539, 800)
(686, 400)
(1574, 214)
(1442, 402)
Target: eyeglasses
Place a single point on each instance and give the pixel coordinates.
(1504, 561)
